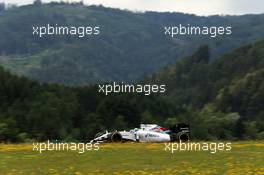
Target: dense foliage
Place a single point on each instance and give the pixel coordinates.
(130, 46)
(221, 99)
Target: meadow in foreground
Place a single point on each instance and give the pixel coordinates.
(132, 158)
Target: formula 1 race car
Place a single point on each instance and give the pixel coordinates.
(147, 133)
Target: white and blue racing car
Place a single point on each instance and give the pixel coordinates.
(147, 133)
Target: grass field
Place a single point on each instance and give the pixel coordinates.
(133, 158)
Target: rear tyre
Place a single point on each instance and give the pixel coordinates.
(183, 137)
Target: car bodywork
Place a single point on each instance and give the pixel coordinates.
(147, 133)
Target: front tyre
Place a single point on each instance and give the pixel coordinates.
(116, 137)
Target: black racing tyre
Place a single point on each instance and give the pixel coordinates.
(183, 137)
(116, 137)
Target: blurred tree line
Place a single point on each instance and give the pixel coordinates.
(220, 99)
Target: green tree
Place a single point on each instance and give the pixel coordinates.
(37, 2)
(119, 123)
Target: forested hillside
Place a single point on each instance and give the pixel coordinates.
(228, 90)
(221, 99)
(130, 45)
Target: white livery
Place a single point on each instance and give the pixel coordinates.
(147, 133)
